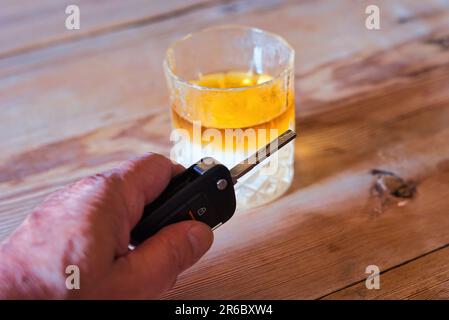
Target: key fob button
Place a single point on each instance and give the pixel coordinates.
(200, 208)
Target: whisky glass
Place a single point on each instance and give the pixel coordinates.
(232, 91)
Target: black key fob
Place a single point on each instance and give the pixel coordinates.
(203, 192)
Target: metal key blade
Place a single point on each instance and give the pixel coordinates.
(249, 163)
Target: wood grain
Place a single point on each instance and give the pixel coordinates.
(30, 25)
(278, 252)
(365, 99)
(425, 277)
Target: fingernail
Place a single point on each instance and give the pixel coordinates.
(200, 237)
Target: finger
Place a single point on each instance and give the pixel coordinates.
(152, 267)
(144, 178)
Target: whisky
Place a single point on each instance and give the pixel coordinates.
(228, 116)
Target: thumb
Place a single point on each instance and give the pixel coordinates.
(152, 268)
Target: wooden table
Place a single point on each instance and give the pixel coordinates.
(77, 102)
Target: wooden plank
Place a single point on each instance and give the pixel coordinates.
(321, 236)
(365, 100)
(423, 278)
(28, 25)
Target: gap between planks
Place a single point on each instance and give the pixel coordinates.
(399, 265)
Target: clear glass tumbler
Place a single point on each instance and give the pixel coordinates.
(232, 91)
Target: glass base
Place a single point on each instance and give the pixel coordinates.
(268, 181)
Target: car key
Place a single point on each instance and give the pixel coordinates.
(204, 192)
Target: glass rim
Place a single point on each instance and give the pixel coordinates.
(171, 73)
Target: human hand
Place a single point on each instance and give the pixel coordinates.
(87, 224)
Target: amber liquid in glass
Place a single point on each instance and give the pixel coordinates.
(232, 124)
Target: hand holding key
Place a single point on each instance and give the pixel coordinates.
(87, 224)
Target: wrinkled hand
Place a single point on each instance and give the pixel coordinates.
(87, 224)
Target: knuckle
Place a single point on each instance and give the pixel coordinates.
(156, 157)
(111, 177)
